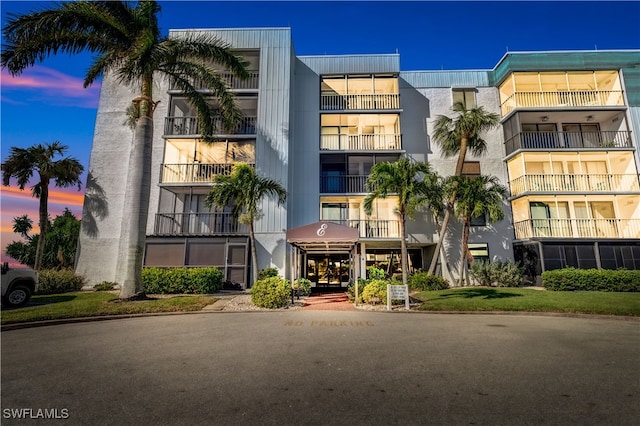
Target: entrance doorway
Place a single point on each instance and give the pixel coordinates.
(328, 271)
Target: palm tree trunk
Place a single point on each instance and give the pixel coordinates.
(403, 250)
(134, 227)
(43, 222)
(463, 251)
(447, 214)
(254, 254)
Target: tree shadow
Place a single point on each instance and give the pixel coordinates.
(95, 206)
(51, 299)
(483, 293)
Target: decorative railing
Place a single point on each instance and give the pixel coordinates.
(568, 140)
(578, 98)
(344, 184)
(575, 183)
(189, 126)
(198, 224)
(357, 102)
(373, 228)
(375, 142)
(235, 83)
(577, 228)
(189, 173)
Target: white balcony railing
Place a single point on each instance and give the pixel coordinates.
(568, 140)
(577, 228)
(370, 228)
(374, 142)
(575, 183)
(335, 102)
(234, 83)
(189, 126)
(559, 99)
(190, 173)
(198, 224)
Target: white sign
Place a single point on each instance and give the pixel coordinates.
(397, 292)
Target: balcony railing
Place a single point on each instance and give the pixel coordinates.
(375, 142)
(578, 98)
(189, 126)
(357, 102)
(190, 173)
(575, 183)
(577, 228)
(251, 83)
(198, 224)
(373, 228)
(345, 184)
(568, 140)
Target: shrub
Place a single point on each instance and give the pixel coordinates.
(423, 281)
(104, 286)
(572, 279)
(497, 274)
(375, 292)
(181, 280)
(59, 281)
(375, 273)
(272, 292)
(267, 273)
(303, 286)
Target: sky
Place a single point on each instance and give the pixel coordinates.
(48, 103)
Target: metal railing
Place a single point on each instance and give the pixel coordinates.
(193, 172)
(357, 102)
(343, 184)
(575, 183)
(568, 140)
(577, 98)
(577, 228)
(374, 142)
(234, 83)
(198, 224)
(373, 228)
(189, 126)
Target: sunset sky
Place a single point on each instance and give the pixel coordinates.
(48, 103)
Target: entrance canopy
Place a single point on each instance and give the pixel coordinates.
(323, 237)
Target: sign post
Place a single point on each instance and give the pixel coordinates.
(397, 292)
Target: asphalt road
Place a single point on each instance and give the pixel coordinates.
(325, 367)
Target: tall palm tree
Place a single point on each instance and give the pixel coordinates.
(244, 189)
(411, 182)
(456, 136)
(40, 159)
(126, 42)
(474, 197)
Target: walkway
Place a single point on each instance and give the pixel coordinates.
(328, 302)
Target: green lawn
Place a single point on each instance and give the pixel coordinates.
(528, 300)
(89, 304)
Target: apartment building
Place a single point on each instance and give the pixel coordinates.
(318, 124)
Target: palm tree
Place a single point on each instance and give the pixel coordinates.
(23, 225)
(126, 42)
(474, 197)
(412, 182)
(244, 189)
(457, 136)
(23, 163)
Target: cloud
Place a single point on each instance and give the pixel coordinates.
(56, 196)
(44, 84)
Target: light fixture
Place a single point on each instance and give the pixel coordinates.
(589, 117)
(544, 118)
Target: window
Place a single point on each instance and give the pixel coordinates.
(479, 251)
(466, 96)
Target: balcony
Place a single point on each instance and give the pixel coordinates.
(198, 224)
(234, 83)
(577, 228)
(568, 140)
(374, 142)
(562, 99)
(359, 102)
(343, 184)
(373, 228)
(189, 126)
(193, 173)
(574, 183)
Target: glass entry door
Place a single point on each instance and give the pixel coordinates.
(328, 270)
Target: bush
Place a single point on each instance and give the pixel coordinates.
(303, 286)
(497, 274)
(59, 281)
(271, 293)
(572, 279)
(104, 286)
(375, 292)
(181, 280)
(423, 281)
(267, 273)
(375, 273)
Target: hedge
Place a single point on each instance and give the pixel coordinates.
(52, 281)
(572, 279)
(181, 280)
(271, 292)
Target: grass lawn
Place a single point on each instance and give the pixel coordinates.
(89, 304)
(528, 300)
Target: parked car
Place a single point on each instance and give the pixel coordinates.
(18, 284)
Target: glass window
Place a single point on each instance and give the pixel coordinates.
(479, 251)
(465, 96)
